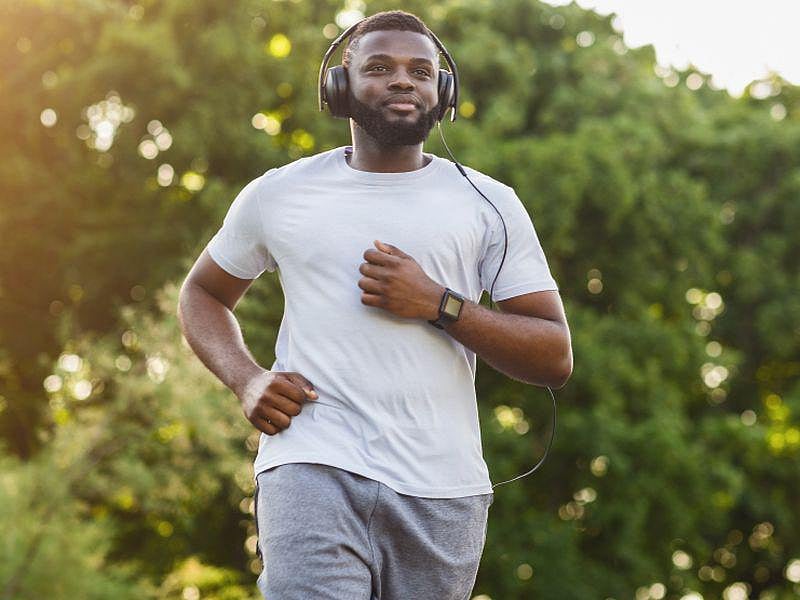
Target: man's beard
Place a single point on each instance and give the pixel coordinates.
(391, 133)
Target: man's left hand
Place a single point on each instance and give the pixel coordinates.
(393, 280)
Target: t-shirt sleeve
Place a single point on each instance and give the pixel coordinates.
(239, 246)
(525, 267)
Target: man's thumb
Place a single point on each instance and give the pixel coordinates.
(304, 385)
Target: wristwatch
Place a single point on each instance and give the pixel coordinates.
(449, 308)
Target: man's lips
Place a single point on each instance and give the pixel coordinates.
(402, 106)
(402, 103)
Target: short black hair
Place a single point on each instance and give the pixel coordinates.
(385, 21)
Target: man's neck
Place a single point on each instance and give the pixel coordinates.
(369, 156)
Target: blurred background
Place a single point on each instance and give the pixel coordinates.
(666, 197)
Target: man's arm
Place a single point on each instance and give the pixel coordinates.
(532, 344)
(205, 312)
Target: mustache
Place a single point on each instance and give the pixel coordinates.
(355, 106)
(404, 98)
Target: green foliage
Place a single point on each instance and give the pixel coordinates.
(194, 579)
(49, 548)
(668, 216)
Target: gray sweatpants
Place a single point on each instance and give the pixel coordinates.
(328, 534)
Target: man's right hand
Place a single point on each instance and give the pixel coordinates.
(271, 398)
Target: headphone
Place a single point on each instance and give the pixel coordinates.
(333, 82)
(333, 92)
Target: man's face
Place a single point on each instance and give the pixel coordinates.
(392, 90)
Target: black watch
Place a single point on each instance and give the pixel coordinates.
(449, 308)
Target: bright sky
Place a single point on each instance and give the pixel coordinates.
(736, 41)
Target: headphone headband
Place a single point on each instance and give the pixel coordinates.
(335, 44)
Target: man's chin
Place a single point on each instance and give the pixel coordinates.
(388, 118)
(387, 135)
(401, 140)
(389, 127)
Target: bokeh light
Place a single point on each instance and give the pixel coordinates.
(279, 46)
(681, 560)
(48, 117)
(104, 119)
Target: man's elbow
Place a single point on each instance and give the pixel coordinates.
(179, 304)
(565, 372)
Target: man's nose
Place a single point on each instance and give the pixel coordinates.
(402, 80)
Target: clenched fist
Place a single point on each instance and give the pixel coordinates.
(271, 398)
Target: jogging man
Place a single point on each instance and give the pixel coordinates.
(370, 477)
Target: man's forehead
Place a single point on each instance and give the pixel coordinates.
(403, 45)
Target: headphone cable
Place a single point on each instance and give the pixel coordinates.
(505, 248)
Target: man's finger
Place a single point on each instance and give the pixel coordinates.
(286, 387)
(278, 419)
(372, 271)
(266, 426)
(304, 385)
(377, 257)
(373, 286)
(372, 299)
(289, 406)
(389, 249)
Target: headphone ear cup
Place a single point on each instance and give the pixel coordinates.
(446, 92)
(336, 85)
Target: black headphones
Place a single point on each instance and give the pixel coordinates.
(333, 82)
(333, 92)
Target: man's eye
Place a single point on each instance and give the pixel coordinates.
(424, 72)
(376, 67)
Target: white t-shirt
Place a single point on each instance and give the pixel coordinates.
(396, 395)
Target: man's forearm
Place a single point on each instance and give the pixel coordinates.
(525, 348)
(214, 335)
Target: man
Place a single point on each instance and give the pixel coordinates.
(370, 479)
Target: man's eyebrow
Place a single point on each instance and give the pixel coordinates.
(391, 58)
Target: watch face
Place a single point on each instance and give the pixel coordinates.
(452, 306)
